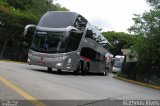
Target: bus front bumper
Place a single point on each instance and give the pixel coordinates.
(57, 62)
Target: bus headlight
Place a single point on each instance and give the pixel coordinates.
(60, 58)
(59, 64)
(69, 61)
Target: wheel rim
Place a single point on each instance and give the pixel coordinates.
(87, 68)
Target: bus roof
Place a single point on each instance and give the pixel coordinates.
(58, 19)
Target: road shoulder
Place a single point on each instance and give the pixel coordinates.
(138, 83)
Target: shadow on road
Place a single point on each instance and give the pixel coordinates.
(66, 72)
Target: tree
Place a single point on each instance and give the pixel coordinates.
(148, 26)
(13, 22)
(37, 7)
(119, 40)
(154, 3)
(19, 4)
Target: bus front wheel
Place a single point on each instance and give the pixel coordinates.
(59, 70)
(49, 69)
(79, 68)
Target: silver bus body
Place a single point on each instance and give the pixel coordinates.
(62, 40)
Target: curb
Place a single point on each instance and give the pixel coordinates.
(13, 61)
(138, 83)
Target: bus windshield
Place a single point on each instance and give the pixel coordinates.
(118, 62)
(49, 42)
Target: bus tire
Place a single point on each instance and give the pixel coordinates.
(79, 68)
(59, 70)
(49, 69)
(86, 69)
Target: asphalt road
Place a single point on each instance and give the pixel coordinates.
(43, 85)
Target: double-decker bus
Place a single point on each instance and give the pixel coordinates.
(67, 41)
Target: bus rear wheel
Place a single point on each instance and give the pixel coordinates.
(86, 69)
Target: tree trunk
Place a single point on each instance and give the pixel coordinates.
(3, 49)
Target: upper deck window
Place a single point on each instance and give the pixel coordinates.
(57, 19)
(80, 23)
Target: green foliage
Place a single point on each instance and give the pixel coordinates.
(14, 20)
(154, 3)
(37, 7)
(148, 26)
(119, 40)
(121, 75)
(19, 4)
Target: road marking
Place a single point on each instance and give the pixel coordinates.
(27, 96)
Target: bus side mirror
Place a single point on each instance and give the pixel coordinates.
(26, 28)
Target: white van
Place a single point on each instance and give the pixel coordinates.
(117, 65)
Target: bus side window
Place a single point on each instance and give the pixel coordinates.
(88, 53)
(80, 23)
(97, 56)
(73, 41)
(89, 34)
(102, 58)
